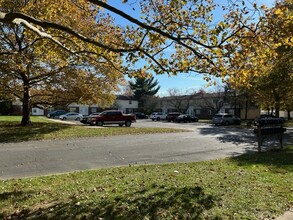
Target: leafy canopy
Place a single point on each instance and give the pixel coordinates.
(172, 36)
(80, 41)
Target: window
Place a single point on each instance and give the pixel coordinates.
(94, 110)
(197, 111)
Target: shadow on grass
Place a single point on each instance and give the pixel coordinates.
(157, 202)
(13, 132)
(278, 161)
(15, 197)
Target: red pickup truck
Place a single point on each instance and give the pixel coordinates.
(113, 117)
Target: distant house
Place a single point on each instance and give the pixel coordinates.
(16, 107)
(38, 110)
(205, 105)
(202, 105)
(124, 103)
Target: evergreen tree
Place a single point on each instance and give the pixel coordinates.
(143, 89)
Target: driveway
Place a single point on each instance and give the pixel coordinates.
(201, 142)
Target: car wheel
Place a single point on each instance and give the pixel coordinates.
(153, 119)
(64, 119)
(128, 123)
(77, 119)
(158, 119)
(226, 123)
(120, 125)
(99, 123)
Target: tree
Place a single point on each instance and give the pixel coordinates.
(83, 31)
(39, 71)
(143, 90)
(275, 88)
(5, 101)
(212, 101)
(267, 62)
(179, 101)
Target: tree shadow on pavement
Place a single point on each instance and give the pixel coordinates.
(241, 135)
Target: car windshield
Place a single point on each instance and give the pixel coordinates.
(218, 116)
(227, 116)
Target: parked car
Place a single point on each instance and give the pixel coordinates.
(268, 119)
(113, 117)
(172, 115)
(71, 116)
(140, 115)
(157, 116)
(88, 119)
(267, 116)
(225, 119)
(56, 113)
(186, 118)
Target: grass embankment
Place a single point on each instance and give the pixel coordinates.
(44, 129)
(252, 186)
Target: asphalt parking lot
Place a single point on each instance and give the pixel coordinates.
(202, 142)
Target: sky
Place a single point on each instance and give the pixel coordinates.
(184, 82)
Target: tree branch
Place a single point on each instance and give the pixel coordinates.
(20, 18)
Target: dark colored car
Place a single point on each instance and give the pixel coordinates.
(186, 118)
(172, 115)
(140, 115)
(113, 117)
(56, 113)
(267, 116)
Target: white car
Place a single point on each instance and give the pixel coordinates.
(71, 116)
(225, 119)
(157, 116)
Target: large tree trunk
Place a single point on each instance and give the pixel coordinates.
(246, 109)
(26, 105)
(289, 116)
(277, 109)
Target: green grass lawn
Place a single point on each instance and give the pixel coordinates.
(45, 129)
(289, 123)
(251, 186)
